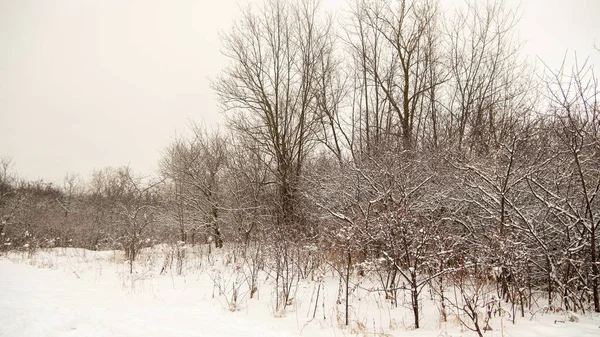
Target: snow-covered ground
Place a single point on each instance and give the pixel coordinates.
(74, 292)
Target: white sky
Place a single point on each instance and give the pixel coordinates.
(86, 84)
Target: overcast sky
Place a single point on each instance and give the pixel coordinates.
(86, 84)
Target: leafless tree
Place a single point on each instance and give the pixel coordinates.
(485, 68)
(8, 204)
(270, 88)
(575, 108)
(394, 47)
(271, 94)
(131, 203)
(194, 169)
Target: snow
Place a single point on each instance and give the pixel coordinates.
(73, 292)
(44, 302)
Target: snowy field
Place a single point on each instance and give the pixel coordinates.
(74, 292)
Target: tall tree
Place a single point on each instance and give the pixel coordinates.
(270, 88)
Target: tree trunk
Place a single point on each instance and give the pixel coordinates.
(348, 284)
(414, 297)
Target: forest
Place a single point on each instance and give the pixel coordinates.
(399, 140)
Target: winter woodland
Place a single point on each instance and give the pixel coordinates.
(399, 153)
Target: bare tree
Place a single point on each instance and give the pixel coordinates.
(195, 169)
(576, 112)
(131, 204)
(71, 191)
(276, 55)
(274, 95)
(485, 69)
(394, 48)
(8, 204)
